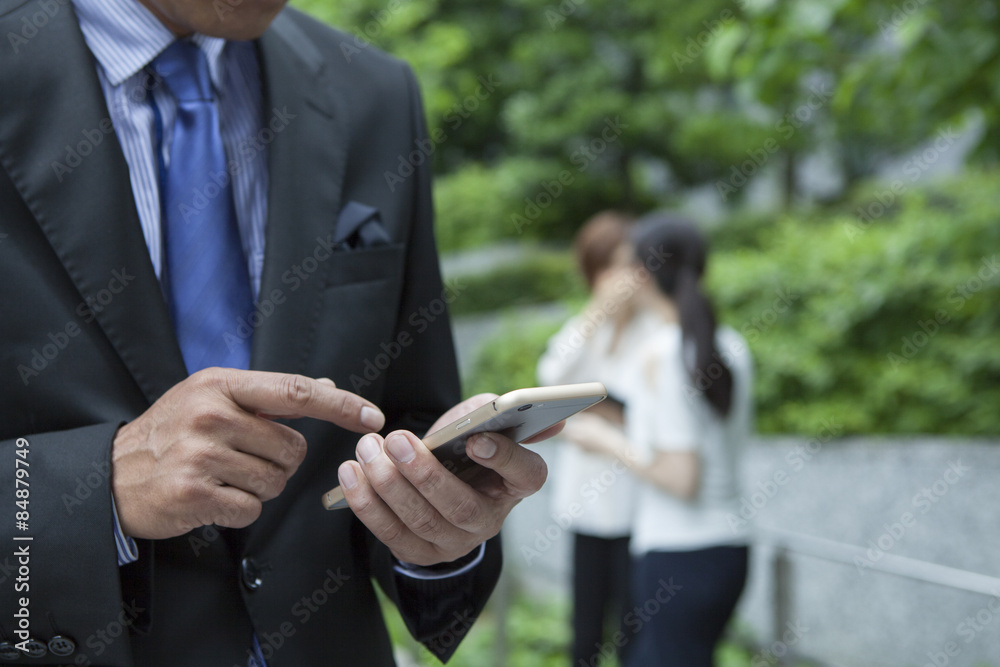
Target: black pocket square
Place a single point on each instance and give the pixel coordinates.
(360, 226)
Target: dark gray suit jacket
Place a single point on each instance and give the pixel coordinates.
(86, 344)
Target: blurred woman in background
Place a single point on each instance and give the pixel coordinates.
(596, 345)
(688, 412)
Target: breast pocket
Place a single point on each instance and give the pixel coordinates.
(382, 263)
(361, 304)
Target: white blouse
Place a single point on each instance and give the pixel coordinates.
(665, 413)
(592, 494)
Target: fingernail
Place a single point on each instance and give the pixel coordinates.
(348, 478)
(400, 448)
(483, 446)
(372, 419)
(327, 381)
(368, 448)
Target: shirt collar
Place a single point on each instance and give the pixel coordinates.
(125, 37)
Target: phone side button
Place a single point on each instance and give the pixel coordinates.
(462, 424)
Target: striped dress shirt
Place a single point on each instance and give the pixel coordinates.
(125, 37)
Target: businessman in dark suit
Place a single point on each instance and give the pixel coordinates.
(207, 485)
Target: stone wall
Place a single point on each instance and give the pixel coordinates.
(928, 499)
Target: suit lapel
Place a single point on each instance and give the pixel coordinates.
(86, 208)
(58, 145)
(306, 172)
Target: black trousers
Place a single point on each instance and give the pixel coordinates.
(600, 589)
(680, 604)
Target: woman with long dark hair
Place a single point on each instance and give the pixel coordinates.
(688, 411)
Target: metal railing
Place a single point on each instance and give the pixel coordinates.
(786, 542)
(783, 545)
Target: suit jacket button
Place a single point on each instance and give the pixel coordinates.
(8, 652)
(250, 574)
(35, 648)
(61, 645)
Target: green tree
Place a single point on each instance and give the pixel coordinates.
(561, 109)
(552, 111)
(887, 74)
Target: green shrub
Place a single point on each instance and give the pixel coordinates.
(889, 329)
(474, 205)
(507, 361)
(887, 325)
(537, 635)
(516, 198)
(540, 278)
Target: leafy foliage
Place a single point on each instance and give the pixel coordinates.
(508, 361)
(541, 278)
(537, 635)
(890, 320)
(880, 316)
(637, 101)
(518, 198)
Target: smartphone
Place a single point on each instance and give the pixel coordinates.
(518, 415)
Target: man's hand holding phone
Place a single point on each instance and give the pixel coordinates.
(420, 509)
(208, 451)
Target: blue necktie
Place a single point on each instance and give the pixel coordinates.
(205, 279)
